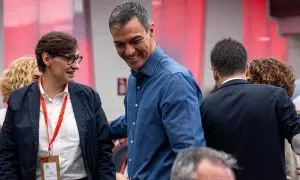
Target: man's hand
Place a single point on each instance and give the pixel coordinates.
(121, 177)
(297, 170)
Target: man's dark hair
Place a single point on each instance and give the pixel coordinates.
(55, 44)
(186, 162)
(126, 11)
(229, 57)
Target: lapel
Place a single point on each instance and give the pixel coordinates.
(79, 108)
(34, 113)
(233, 82)
(78, 105)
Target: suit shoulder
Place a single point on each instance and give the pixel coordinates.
(17, 95)
(20, 92)
(89, 91)
(255, 91)
(266, 89)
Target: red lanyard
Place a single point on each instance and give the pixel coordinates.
(60, 118)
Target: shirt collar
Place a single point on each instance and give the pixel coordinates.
(233, 78)
(63, 94)
(152, 62)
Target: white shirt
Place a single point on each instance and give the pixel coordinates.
(297, 103)
(2, 115)
(67, 142)
(234, 78)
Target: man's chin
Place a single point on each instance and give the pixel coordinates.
(136, 69)
(136, 66)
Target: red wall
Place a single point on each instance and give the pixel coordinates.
(180, 29)
(25, 21)
(260, 32)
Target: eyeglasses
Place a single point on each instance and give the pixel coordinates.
(71, 59)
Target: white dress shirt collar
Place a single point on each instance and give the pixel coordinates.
(61, 95)
(233, 78)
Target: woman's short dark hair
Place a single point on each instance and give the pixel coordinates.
(55, 44)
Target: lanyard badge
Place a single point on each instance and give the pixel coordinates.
(49, 165)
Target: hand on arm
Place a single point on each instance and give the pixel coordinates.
(118, 127)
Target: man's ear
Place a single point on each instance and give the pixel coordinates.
(151, 30)
(215, 74)
(216, 77)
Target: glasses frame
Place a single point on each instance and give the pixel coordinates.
(70, 59)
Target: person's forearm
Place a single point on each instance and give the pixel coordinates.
(118, 128)
(296, 143)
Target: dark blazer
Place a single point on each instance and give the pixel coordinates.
(250, 121)
(20, 134)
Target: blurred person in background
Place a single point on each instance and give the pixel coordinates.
(276, 73)
(297, 89)
(203, 164)
(297, 104)
(249, 121)
(119, 157)
(21, 72)
(296, 95)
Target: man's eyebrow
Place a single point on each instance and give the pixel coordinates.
(117, 42)
(136, 38)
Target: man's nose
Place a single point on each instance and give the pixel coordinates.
(129, 50)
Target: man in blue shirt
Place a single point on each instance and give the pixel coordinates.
(163, 99)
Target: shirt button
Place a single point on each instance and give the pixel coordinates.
(129, 160)
(133, 123)
(131, 141)
(138, 87)
(136, 105)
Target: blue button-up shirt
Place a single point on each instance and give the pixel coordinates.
(162, 117)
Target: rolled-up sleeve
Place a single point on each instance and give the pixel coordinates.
(118, 127)
(181, 112)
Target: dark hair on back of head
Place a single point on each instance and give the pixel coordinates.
(229, 57)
